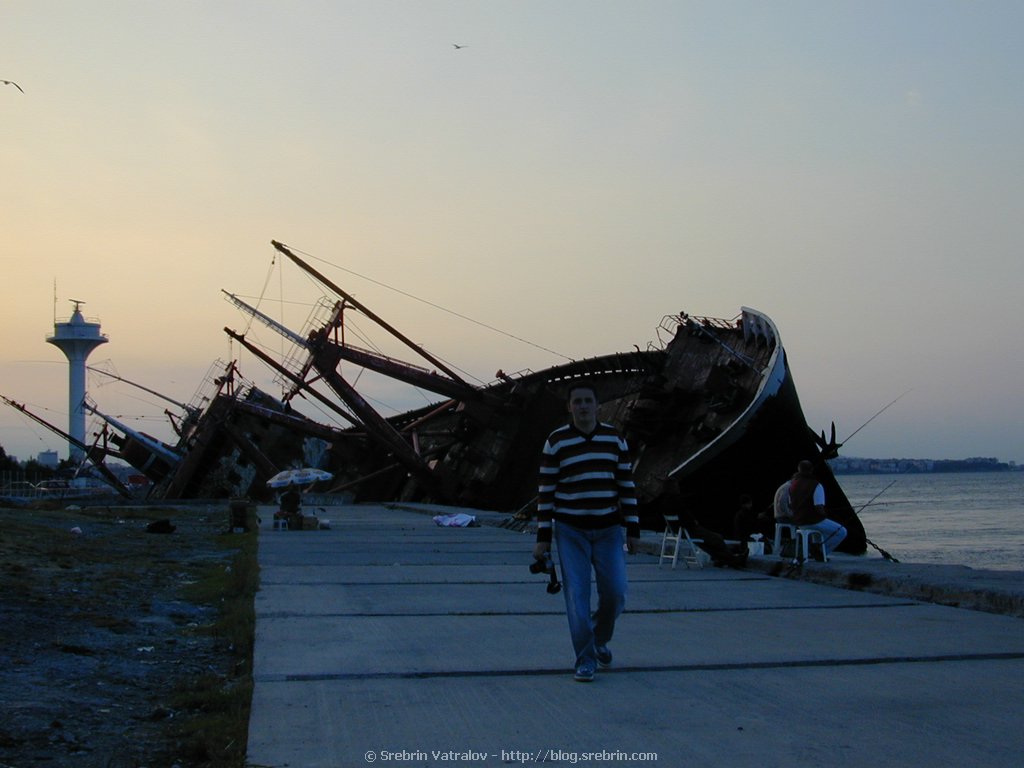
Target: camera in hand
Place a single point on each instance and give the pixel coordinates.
(545, 565)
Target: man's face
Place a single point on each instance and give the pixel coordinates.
(583, 407)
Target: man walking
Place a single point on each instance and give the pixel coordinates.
(585, 497)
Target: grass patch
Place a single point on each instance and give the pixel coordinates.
(215, 731)
(107, 625)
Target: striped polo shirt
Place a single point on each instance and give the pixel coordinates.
(586, 481)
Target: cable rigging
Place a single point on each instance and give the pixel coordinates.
(436, 306)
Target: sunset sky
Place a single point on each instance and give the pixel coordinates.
(577, 171)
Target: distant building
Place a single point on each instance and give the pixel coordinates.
(48, 459)
(860, 466)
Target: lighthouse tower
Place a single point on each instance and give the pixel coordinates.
(76, 339)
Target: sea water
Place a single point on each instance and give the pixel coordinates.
(974, 519)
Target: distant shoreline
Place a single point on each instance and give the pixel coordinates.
(923, 472)
(858, 466)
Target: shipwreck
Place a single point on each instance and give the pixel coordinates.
(709, 403)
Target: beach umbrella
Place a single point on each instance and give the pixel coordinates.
(303, 476)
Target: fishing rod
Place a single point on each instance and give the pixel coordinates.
(879, 504)
(881, 551)
(830, 448)
(879, 413)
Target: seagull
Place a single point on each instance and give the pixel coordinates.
(456, 45)
(11, 82)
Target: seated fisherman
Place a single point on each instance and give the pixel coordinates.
(290, 501)
(783, 514)
(748, 522)
(807, 504)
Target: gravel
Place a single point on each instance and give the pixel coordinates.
(97, 636)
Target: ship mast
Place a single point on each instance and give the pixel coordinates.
(352, 301)
(270, 322)
(152, 445)
(373, 361)
(297, 380)
(92, 453)
(376, 426)
(184, 406)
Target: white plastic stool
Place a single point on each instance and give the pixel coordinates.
(804, 537)
(780, 528)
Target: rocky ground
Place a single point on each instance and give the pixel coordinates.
(98, 637)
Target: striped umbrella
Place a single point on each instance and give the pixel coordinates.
(304, 476)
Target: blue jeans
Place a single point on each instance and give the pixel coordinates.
(831, 531)
(579, 550)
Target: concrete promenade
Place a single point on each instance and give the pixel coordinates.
(388, 640)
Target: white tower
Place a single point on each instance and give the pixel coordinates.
(76, 339)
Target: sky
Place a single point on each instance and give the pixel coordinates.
(551, 190)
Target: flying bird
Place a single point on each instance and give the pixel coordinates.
(457, 46)
(11, 82)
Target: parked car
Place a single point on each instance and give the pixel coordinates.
(18, 488)
(53, 486)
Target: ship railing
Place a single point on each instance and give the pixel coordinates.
(320, 316)
(323, 316)
(501, 377)
(210, 383)
(670, 325)
(296, 361)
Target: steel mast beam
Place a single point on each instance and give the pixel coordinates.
(295, 379)
(93, 453)
(369, 313)
(325, 360)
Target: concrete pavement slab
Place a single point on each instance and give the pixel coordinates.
(389, 640)
(891, 715)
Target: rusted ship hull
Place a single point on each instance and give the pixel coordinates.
(711, 404)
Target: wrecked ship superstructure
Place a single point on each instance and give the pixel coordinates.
(710, 403)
